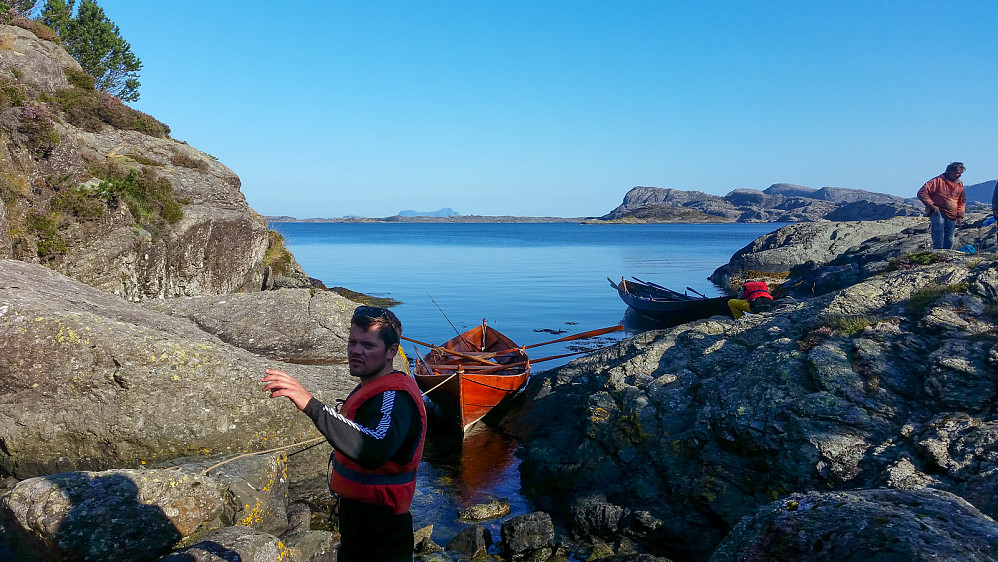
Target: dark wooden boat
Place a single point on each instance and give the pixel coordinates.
(470, 374)
(665, 306)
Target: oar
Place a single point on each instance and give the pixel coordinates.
(669, 291)
(522, 363)
(696, 291)
(583, 335)
(444, 349)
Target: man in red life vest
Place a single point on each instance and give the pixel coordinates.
(753, 297)
(945, 203)
(377, 438)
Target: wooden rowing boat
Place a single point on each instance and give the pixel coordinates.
(470, 374)
(667, 307)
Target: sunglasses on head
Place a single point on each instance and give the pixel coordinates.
(371, 311)
(376, 312)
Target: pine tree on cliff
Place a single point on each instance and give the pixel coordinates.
(17, 8)
(96, 43)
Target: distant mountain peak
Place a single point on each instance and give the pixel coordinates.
(445, 212)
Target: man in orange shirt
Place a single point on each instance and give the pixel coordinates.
(945, 203)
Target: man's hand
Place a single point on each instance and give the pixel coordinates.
(959, 221)
(931, 210)
(280, 384)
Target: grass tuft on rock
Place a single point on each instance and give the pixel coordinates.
(922, 298)
(277, 257)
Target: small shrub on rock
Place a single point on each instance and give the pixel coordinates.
(185, 161)
(45, 227)
(145, 160)
(12, 94)
(79, 78)
(277, 257)
(149, 197)
(80, 202)
(85, 107)
(925, 296)
(917, 259)
(40, 30)
(39, 126)
(847, 324)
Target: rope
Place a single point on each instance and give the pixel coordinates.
(438, 386)
(244, 455)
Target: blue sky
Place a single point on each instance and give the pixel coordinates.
(558, 108)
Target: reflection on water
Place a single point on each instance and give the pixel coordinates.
(457, 473)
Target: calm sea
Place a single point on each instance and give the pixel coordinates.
(533, 282)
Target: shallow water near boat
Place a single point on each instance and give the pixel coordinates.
(533, 282)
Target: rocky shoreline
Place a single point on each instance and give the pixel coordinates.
(806, 429)
(856, 419)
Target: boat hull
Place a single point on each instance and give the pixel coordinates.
(464, 389)
(666, 310)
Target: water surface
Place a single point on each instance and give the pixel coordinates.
(533, 282)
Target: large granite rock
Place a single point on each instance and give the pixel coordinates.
(234, 543)
(641, 196)
(883, 524)
(713, 419)
(113, 515)
(217, 247)
(298, 325)
(775, 254)
(302, 326)
(142, 514)
(824, 257)
(39, 63)
(91, 381)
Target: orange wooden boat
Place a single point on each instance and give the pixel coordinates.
(471, 373)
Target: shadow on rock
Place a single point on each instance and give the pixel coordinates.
(114, 515)
(87, 517)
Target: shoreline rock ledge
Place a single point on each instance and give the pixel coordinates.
(858, 417)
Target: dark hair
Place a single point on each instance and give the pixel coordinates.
(389, 326)
(953, 166)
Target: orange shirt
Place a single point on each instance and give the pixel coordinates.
(947, 196)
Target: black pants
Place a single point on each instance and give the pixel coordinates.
(373, 533)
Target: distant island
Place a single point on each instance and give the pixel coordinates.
(445, 212)
(426, 219)
(780, 202)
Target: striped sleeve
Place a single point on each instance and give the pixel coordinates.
(375, 434)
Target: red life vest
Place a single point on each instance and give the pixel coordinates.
(392, 484)
(756, 289)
